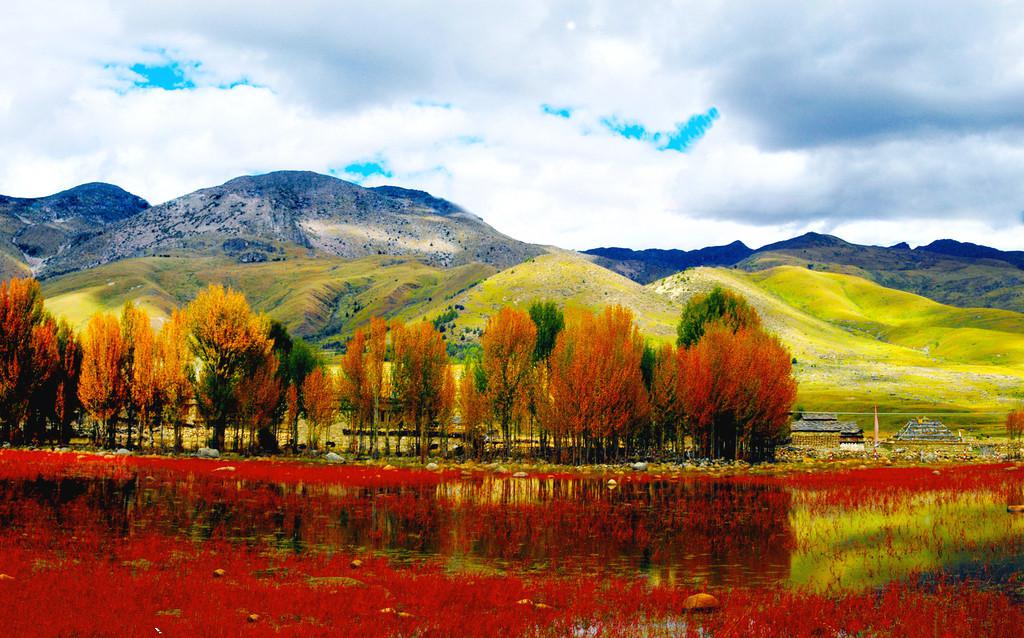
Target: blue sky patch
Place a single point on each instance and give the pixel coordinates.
(557, 111)
(685, 135)
(169, 76)
(361, 171)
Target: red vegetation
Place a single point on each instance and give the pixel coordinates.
(121, 546)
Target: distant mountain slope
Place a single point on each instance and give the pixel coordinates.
(263, 217)
(645, 266)
(955, 279)
(33, 229)
(957, 273)
(858, 344)
(322, 299)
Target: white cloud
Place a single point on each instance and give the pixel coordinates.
(901, 154)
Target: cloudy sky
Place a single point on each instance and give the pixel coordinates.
(581, 124)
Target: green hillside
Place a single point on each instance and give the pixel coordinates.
(958, 282)
(566, 277)
(858, 344)
(322, 299)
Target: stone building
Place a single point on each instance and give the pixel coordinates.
(825, 430)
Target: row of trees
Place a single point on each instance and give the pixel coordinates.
(577, 386)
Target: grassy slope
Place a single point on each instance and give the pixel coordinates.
(323, 298)
(990, 284)
(858, 344)
(570, 279)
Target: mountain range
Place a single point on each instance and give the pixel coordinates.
(953, 272)
(868, 325)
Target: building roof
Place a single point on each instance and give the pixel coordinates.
(823, 426)
(818, 416)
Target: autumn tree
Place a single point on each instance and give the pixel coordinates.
(596, 387)
(508, 342)
(102, 387)
(321, 403)
(299, 360)
(737, 389)
(418, 368)
(355, 387)
(376, 353)
(139, 370)
(717, 306)
(175, 372)
(663, 390)
(1015, 424)
(446, 406)
(66, 404)
(230, 341)
(473, 406)
(27, 348)
(258, 396)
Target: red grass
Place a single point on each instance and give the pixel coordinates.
(132, 548)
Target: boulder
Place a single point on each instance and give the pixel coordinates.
(122, 451)
(389, 467)
(701, 602)
(433, 467)
(639, 466)
(334, 457)
(207, 453)
(519, 475)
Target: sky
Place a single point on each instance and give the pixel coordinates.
(577, 124)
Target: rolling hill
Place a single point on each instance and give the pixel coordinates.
(322, 299)
(858, 344)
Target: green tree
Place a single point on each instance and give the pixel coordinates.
(548, 318)
(718, 306)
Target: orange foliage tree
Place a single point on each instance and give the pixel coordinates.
(508, 345)
(355, 387)
(737, 388)
(418, 370)
(376, 352)
(596, 389)
(27, 351)
(102, 387)
(321, 402)
(139, 369)
(175, 372)
(1015, 424)
(230, 341)
(474, 408)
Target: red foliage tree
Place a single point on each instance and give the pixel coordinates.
(737, 388)
(27, 351)
(1015, 424)
(596, 387)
